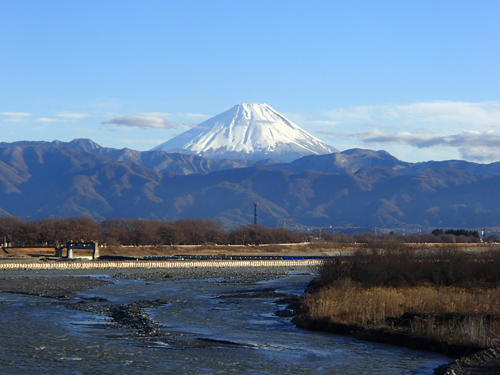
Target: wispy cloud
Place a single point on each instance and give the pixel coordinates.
(323, 122)
(463, 139)
(45, 119)
(472, 145)
(195, 115)
(379, 126)
(439, 112)
(159, 114)
(471, 130)
(15, 116)
(480, 154)
(143, 121)
(336, 135)
(145, 144)
(71, 116)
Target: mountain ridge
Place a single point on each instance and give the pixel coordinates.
(160, 161)
(348, 161)
(56, 180)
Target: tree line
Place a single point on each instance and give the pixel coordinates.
(437, 236)
(456, 232)
(54, 232)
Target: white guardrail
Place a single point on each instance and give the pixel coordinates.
(159, 264)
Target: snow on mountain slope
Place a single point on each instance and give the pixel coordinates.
(247, 131)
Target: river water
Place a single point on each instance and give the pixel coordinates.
(210, 327)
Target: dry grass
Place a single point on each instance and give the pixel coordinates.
(140, 251)
(448, 295)
(455, 315)
(27, 252)
(467, 316)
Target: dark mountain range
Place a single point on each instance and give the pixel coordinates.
(159, 161)
(350, 161)
(355, 188)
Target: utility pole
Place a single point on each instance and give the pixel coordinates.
(255, 213)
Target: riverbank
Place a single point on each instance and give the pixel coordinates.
(470, 360)
(298, 249)
(448, 302)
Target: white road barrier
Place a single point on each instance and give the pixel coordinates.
(159, 264)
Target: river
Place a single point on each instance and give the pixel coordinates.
(209, 326)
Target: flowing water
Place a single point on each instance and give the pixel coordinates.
(210, 327)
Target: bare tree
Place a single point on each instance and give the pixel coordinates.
(8, 225)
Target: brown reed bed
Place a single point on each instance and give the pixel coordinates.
(448, 314)
(447, 296)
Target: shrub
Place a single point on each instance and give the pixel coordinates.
(402, 265)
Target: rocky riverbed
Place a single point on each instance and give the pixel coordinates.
(238, 275)
(486, 362)
(136, 306)
(133, 318)
(62, 287)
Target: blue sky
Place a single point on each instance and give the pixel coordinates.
(419, 79)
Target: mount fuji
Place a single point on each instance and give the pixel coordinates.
(247, 131)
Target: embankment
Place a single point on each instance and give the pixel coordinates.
(77, 265)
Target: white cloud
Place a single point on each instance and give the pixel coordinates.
(431, 129)
(16, 116)
(194, 115)
(480, 154)
(179, 116)
(45, 119)
(379, 126)
(336, 135)
(142, 121)
(159, 114)
(483, 114)
(71, 116)
(472, 145)
(323, 122)
(146, 144)
(423, 140)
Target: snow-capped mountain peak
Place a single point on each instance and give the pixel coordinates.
(247, 131)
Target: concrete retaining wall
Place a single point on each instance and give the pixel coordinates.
(159, 264)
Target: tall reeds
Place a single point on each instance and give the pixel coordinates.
(404, 265)
(445, 295)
